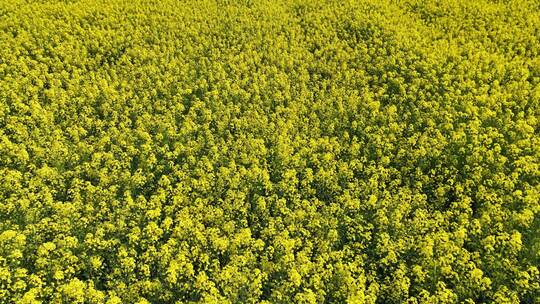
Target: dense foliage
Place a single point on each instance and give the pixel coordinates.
(301, 151)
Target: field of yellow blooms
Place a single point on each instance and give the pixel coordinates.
(255, 151)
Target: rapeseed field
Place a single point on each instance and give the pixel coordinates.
(286, 151)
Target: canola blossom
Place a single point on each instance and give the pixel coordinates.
(254, 151)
